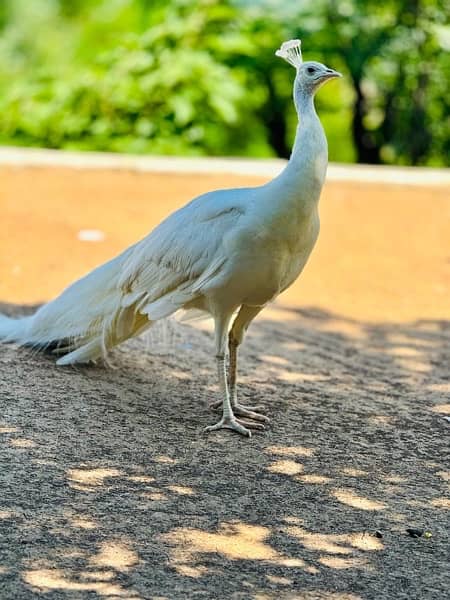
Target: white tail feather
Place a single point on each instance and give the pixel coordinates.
(86, 353)
(14, 330)
(90, 316)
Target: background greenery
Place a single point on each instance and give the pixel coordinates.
(200, 76)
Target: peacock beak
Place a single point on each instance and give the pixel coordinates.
(331, 74)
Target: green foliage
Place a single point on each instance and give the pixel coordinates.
(396, 56)
(160, 90)
(200, 76)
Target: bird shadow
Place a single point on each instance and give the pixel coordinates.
(110, 488)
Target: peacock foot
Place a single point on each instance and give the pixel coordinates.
(217, 405)
(250, 412)
(242, 427)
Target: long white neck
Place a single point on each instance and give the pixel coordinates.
(303, 177)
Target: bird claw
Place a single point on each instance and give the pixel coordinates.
(235, 425)
(249, 412)
(252, 424)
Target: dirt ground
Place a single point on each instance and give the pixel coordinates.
(109, 488)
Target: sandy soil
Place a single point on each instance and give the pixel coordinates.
(383, 253)
(109, 489)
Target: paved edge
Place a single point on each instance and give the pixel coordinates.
(36, 157)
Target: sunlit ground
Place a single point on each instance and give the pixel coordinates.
(383, 252)
(109, 489)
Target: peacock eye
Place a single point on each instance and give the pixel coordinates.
(310, 69)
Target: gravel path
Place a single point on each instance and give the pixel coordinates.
(110, 489)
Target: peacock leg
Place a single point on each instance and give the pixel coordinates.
(228, 420)
(240, 325)
(240, 410)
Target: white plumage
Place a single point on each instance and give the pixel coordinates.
(226, 251)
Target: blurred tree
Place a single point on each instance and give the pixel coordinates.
(3, 15)
(395, 55)
(133, 76)
(200, 76)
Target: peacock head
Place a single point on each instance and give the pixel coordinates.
(311, 75)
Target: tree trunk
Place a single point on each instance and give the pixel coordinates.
(275, 120)
(366, 149)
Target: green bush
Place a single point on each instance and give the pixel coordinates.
(200, 76)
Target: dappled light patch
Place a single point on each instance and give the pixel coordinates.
(141, 479)
(439, 387)
(294, 376)
(285, 467)
(336, 543)
(399, 339)
(291, 562)
(318, 541)
(363, 541)
(441, 503)
(55, 579)
(352, 472)
(189, 571)
(117, 555)
(402, 340)
(311, 569)
(22, 443)
(313, 479)
(8, 429)
(181, 374)
(413, 365)
(89, 479)
(405, 351)
(351, 329)
(290, 450)
(443, 409)
(235, 541)
(337, 562)
(293, 468)
(350, 498)
(162, 458)
(6, 514)
(394, 479)
(277, 580)
(182, 490)
(275, 360)
(382, 419)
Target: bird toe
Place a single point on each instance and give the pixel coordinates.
(233, 424)
(249, 412)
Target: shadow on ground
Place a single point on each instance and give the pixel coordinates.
(110, 489)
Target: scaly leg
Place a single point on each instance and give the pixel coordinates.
(251, 412)
(240, 325)
(228, 420)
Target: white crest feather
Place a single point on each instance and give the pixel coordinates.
(291, 52)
